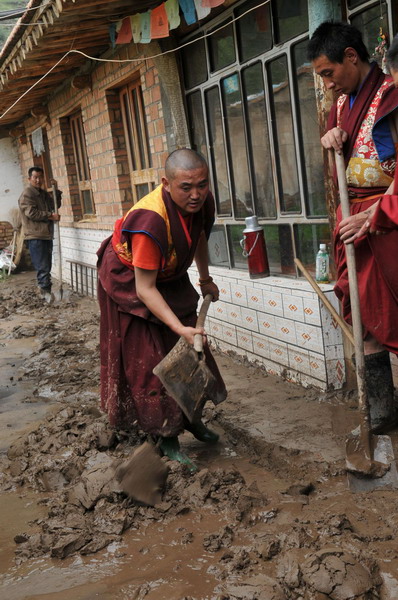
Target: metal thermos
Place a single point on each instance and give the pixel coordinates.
(253, 245)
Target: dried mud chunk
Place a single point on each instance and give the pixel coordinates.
(17, 449)
(97, 544)
(338, 575)
(259, 587)
(95, 483)
(214, 541)
(67, 545)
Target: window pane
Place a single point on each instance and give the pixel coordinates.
(283, 121)
(368, 23)
(194, 64)
(218, 248)
(254, 30)
(221, 48)
(354, 3)
(308, 238)
(258, 140)
(142, 189)
(278, 241)
(129, 128)
(217, 152)
(292, 18)
(87, 202)
(141, 132)
(237, 143)
(197, 124)
(235, 234)
(313, 156)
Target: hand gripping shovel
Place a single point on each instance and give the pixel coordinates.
(185, 375)
(369, 458)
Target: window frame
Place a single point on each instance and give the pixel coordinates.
(83, 173)
(137, 139)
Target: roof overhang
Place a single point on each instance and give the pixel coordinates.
(42, 36)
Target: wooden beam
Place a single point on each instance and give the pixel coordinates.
(17, 132)
(39, 111)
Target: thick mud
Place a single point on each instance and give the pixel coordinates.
(267, 516)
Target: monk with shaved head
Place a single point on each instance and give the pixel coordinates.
(147, 300)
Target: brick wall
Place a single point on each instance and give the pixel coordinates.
(106, 150)
(6, 232)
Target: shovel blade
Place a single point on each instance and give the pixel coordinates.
(187, 379)
(383, 454)
(143, 476)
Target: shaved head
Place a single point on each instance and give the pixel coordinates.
(183, 159)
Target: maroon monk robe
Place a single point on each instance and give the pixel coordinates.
(133, 341)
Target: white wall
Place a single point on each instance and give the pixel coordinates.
(11, 180)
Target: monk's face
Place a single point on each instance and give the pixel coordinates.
(188, 189)
(341, 78)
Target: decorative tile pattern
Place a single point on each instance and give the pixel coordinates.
(229, 334)
(249, 319)
(335, 373)
(317, 365)
(309, 337)
(234, 316)
(293, 307)
(266, 324)
(225, 291)
(311, 310)
(299, 360)
(278, 352)
(273, 303)
(260, 345)
(244, 339)
(255, 298)
(285, 330)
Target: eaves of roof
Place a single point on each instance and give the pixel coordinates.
(43, 36)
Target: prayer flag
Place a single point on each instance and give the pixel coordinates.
(136, 28)
(211, 3)
(145, 20)
(173, 13)
(201, 10)
(112, 34)
(188, 8)
(125, 33)
(159, 22)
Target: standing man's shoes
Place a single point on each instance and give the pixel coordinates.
(201, 432)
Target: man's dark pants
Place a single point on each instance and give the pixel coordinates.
(41, 252)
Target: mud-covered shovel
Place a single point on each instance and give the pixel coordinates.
(143, 475)
(185, 375)
(369, 458)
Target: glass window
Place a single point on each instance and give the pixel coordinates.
(194, 63)
(308, 237)
(278, 241)
(218, 247)
(368, 22)
(82, 165)
(313, 156)
(196, 123)
(235, 127)
(258, 141)
(354, 3)
(221, 48)
(254, 30)
(235, 234)
(291, 18)
(283, 122)
(217, 151)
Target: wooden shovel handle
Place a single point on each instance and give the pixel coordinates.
(198, 338)
(344, 327)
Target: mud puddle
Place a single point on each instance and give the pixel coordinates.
(267, 516)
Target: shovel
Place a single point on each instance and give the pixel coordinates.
(59, 293)
(369, 458)
(143, 475)
(185, 375)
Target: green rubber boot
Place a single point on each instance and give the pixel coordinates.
(170, 446)
(201, 432)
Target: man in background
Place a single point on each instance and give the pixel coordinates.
(38, 216)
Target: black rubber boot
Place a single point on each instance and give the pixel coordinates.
(380, 391)
(201, 432)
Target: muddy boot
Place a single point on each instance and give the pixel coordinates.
(380, 391)
(201, 432)
(170, 446)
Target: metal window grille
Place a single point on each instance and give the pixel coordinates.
(83, 278)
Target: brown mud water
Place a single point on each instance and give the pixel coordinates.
(268, 516)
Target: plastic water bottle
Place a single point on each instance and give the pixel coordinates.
(322, 265)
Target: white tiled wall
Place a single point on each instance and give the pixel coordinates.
(279, 323)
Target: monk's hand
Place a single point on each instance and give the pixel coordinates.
(188, 333)
(207, 286)
(334, 139)
(356, 226)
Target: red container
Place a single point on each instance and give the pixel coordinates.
(254, 249)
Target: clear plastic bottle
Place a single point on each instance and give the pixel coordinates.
(322, 265)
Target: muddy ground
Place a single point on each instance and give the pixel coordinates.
(267, 516)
